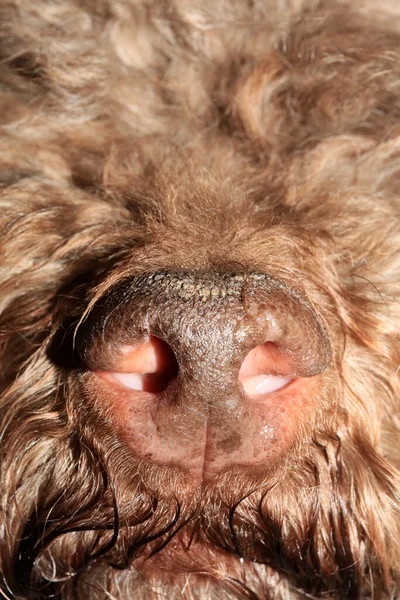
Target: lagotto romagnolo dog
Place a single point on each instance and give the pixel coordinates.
(199, 299)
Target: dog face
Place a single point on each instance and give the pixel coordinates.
(199, 300)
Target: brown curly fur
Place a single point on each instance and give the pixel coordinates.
(187, 133)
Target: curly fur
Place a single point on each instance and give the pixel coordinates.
(157, 133)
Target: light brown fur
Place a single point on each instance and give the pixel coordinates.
(194, 134)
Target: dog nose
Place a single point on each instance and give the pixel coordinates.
(207, 371)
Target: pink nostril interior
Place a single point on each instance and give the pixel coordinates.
(264, 370)
(149, 366)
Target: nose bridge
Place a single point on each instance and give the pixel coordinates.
(206, 340)
(209, 363)
(202, 318)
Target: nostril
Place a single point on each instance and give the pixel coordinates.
(264, 370)
(264, 384)
(149, 366)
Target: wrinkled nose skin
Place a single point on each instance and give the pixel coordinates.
(222, 330)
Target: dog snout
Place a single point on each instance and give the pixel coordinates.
(206, 371)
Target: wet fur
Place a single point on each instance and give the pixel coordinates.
(153, 135)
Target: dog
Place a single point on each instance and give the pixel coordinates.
(199, 291)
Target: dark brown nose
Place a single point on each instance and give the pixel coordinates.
(206, 371)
